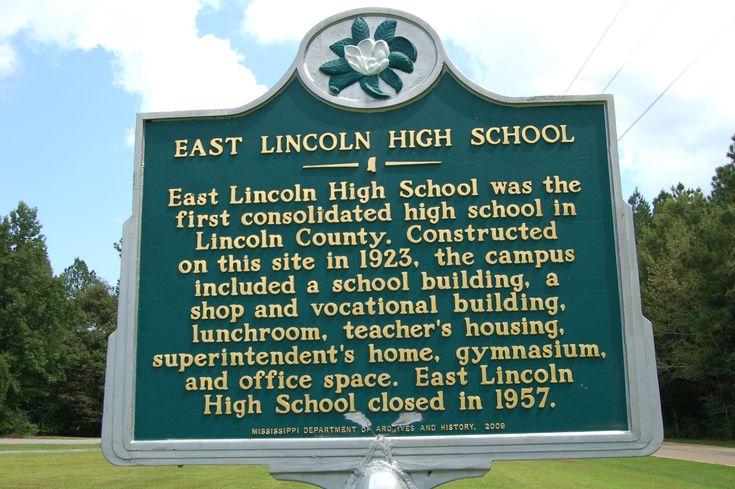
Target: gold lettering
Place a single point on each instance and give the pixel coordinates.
(197, 149)
(216, 148)
(234, 141)
(181, 148)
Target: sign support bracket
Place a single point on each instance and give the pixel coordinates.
(424, 479)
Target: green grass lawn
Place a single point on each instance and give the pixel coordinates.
(62, 469)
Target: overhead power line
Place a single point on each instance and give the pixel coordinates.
(596, 46)
(677, 77)
(640, 43)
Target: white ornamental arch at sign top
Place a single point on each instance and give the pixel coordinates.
(426, 68)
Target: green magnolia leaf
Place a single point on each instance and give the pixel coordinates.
(401, 62)
(360, 30)
(339, 47)
(335, 67)
(403, 45)
(385, 31)
(337, 83)
(389, 76)
(371, 87)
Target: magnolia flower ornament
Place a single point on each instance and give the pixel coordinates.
(369, 60)
(369, 57)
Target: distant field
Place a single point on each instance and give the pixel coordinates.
(61, 469)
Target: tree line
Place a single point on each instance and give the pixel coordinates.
(686, 259)
(54, 329)
(53, 336)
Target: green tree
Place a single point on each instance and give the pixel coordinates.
(723, 183)
(33, 316)
(668, 286)
(686, 254)
(715, 338)
(93, 317)
(642, 214)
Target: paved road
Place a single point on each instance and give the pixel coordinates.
(697, 453)
(49, 441)
(59, 450)
(681, 451)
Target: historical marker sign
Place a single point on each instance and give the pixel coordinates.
(379, 235)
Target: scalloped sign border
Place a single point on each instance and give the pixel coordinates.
(328, 461)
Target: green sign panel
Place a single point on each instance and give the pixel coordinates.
(378, 247)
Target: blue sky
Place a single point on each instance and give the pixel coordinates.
(74, 73)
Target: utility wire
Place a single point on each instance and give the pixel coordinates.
(640, 43)
(596, 46)
(676, 78)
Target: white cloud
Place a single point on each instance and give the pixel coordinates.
(536, 47)
(129, 139)
(157, 50)
(8, 60)
(511, 48)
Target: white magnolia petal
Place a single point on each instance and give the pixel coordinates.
(374, 67)
(352, 54)
(355, 59)
(352, 50)
(366, 47)
(381, 50)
